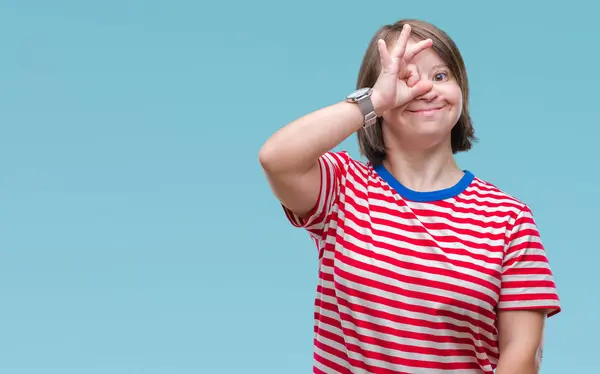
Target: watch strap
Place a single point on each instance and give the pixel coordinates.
(366, 107)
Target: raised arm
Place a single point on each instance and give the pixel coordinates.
(290, 157)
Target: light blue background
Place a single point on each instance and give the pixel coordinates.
(137, 233)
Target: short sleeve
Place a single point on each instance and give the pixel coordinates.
(333, 165)
(527, 280)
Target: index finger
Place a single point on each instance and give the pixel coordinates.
(417, 48)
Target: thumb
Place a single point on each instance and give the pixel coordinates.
(421, 88)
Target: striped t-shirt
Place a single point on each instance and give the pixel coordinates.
(410, 282)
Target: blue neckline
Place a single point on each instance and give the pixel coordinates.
(429, 196)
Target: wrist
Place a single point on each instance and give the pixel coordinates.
(377, 103)
(363, 97)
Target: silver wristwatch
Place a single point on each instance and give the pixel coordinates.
(363, 98)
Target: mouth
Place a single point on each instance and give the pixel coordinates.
(426, 111)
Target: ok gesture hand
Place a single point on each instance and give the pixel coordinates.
(398, 82)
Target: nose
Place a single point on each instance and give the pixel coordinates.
(430, 95)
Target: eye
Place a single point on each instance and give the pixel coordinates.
(440, 77)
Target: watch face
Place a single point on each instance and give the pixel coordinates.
(358, 93)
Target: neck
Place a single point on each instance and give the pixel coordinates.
(424, 170)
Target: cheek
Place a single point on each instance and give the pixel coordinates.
(459, 103)
(453, 94)
(394, 115)
(459, 98)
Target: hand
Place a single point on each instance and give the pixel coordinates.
(398, 82)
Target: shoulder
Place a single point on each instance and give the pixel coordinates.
(484, 190)
(340, 156)
(344, 160)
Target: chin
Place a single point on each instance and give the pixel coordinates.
(427, 126)
(422, 134)
(430, 128)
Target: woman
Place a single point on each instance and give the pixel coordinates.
(423, 267)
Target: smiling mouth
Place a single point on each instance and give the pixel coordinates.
(427, 111)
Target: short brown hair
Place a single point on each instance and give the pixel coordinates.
(370, 139)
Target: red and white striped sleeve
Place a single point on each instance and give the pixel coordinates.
(527, 280)
(333, 165)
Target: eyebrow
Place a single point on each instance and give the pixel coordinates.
(439, 66)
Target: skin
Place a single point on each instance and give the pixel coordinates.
(289, 157)
(520, 340)
(420, 101)
(418, 132)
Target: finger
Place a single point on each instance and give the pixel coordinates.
(421, 88)
(402, 41)
(383, 54)
(413, 75)
(417, 48)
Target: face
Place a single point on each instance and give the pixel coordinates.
(427, 119)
